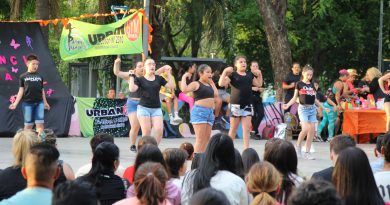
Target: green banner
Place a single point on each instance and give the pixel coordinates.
(81, 40)
(101, 115)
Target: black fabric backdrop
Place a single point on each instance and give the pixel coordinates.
(17, 40)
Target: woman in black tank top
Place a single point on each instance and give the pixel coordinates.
(202, 114)
(385, 90)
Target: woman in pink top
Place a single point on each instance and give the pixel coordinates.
(149, 185)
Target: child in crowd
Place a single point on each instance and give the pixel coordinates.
(175, 159)
(189, 148)
(169, 95)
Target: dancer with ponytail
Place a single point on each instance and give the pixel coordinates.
(202, 114)
(149, 111)
(241, 108)
(132, 100)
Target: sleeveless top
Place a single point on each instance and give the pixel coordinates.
(334, 91)
(203, 92)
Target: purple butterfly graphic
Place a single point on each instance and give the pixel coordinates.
(14, 70)
(14, 44)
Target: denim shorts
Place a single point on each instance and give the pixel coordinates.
(223, 94)
(200, 115)
(148, 112)
(131, 105)
(237, 111)
(307, 113)
(33, 112)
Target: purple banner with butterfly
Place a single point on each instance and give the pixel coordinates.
(17, 41)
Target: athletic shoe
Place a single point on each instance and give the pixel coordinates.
(254, 136)
(133, 148)
(329, 139)
(172, 121)
(317, 139)
(177, 119)
(308, 156)
(298, 150)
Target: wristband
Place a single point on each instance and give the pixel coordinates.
(132, 75)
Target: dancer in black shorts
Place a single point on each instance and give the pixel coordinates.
(241, 108)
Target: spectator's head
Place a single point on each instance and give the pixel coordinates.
(149, 153)
(379, 143)
(239, 167)
(296, 68)
(209, 196)
(41, 166)
(282, 155)
(353, 178)
(219, 155)
(240, 63)
(146, 140)
(149, 183)
(263, 180)
(198, 157)
(72, 192)
(343, 75)
(139, 68)
(338, 144)
(316, 84)
(21, 144)
(386, 149)
(175, 160)
(50, 137)
(105, 159)
(352, 74)
(204, 72)
(373, 73)
(317, 192)
(111, 93)
(249, 157)
(254, 65)
(189, 148)
(32, 63)
(99, 138)
(149, 66)
(189, 67)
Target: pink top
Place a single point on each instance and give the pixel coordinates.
(136, 201)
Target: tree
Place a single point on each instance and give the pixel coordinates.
(273, 14)
(42, 11)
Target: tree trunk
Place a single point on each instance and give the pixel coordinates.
(273, 14)
(42, 11)
(157, 22)
(16, 9)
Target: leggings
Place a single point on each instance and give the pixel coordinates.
(328, 117)
(187, 99)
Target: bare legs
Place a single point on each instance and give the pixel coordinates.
(202, 136)
(134, 127)
(246, 127)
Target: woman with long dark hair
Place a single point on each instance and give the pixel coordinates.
(354, 180)
(189, 68)
(202, 114)
(249, 158)
(109, 187)
(217, 170)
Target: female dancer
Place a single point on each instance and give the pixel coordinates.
(149, 108)
(307, 111)
(132, 100)
(241, 108)
(202, 114)
(189, 68)
(385, 80)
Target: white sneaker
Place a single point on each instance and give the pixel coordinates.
(172, 120)
(177, 119)
(298, 149)
(308, 156)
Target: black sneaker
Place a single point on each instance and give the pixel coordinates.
(254, 136)
(133, 148)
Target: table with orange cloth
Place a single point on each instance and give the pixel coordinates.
(360, 123)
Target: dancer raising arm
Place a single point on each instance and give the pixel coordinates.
(385, 89)
(132, 100)
(202, 114)
(149, 108)
(241, 109)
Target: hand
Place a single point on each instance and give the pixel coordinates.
(131, 73)
(12, 106)
(228, 70)
(261, 89)
(285, 106)
(118, 60)
(339, 108)
(257, 73)
(47, 106)
(292, 85)
(168, 69)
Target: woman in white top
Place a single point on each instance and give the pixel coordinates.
(216, 171)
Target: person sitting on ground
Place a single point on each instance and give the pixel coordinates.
(95, 141)
(175, 159)
(111, 93)
(209, 196)
(130, 171)
(263, 181)
(282, 155)
(249, 158)
(217, 170)
(149, 186)
(169, 95)
(11, 178)
(317, 192)
(151, 153)
(338, 144)
(382, 177)
(40, 170)
(109, 187)
(74, 193)
(66, 171)
(353, 178)
(189, 148)
(378, 164)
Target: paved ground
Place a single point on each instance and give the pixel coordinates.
(76, 152)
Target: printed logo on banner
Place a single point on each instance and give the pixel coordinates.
(132, 28)
(74, 42)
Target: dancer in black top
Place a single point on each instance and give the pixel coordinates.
(241, 107)
(202, 114)
(257, 102)
(149, 108)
